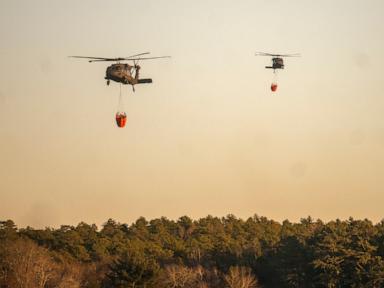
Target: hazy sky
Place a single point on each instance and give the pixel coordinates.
(208, 136)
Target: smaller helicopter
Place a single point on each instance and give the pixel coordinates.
(123, 72)
(277, 59)
(277, 63)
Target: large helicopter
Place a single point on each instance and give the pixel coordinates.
(277, 63)
(123, 72)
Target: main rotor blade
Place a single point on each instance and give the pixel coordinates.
(104, 60)
(264, 54)
(86, 57)
(277, 55)
(145, 58)
(145, 53)
(94, 59)
(290, 55)
(129, 59)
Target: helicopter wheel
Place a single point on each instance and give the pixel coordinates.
(108, 82)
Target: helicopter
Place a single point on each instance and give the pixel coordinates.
(277, 59)
(277, 63)
(123, 72)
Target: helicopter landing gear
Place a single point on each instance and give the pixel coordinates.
(108, 82)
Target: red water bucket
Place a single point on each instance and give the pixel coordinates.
(273, 87)
(121, 119)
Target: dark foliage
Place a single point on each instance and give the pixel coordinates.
(204, 252)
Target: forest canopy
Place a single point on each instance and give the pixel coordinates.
(209, 252)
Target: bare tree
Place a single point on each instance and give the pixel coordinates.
(69, 275)
(179, 276)
(240, 277)
(27, 264)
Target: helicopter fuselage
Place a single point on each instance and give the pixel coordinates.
(123, 73)
(277, 63)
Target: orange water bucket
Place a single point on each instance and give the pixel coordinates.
(121, 119)
(273, 87)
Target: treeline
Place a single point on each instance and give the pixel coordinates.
(209, 252)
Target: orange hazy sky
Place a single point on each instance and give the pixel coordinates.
(208, 136)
